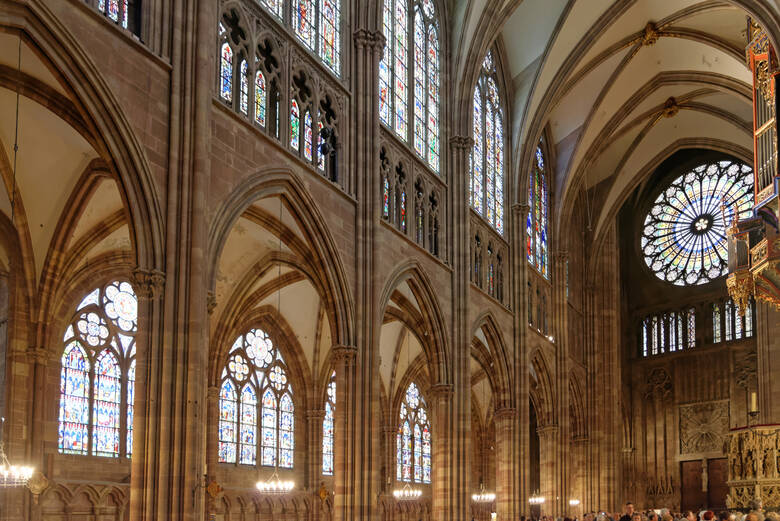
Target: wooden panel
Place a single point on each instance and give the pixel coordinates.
(693, 497)
(717, 474)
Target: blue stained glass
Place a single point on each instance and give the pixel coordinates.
(228, 415)
(107, 397)
(248, 425)
(385, 81)
(226, 72)
(320, 144)
(244, 100)
(684, 235)
(419, 84)
(477, 154)
(400, 68)
(130, 406)
(307, 137)
(303, 19)
(295, 122)
(74, 401)
(433, 97)
(537, 223)
(413, 442)
(329, 34)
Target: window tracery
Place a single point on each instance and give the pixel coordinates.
(684, 233)
(728, 325)
(97, 377)
(255, 385)
(413, 440)
(537, 220)
(124, 13)
(327, 427)
(668, 332)
(487, 157)
(396, 75)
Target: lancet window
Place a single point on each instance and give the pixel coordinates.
(256, 409)
(413, 441)
(487, 157)
(327, 427)
(537, 220)
(97, 375)
(412, 28)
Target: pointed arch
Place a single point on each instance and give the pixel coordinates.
(541, 389)
(493, 358)
(576, 409)
(331, 278)
(432, 327)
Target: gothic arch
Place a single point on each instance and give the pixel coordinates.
(493, 359)
(541, 389)
(103, 117)
(576, 409)
(283, 183)
(430, 328)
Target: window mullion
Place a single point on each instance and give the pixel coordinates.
(91, 401)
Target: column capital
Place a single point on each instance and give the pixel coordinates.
(148, 283)
(344, 353)
(442, 390)
(505, 413)
(39, 355)
(561, 255)
(461, 142)
(372, 39)
(522, 209)
(547, 430)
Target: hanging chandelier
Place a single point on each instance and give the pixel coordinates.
(574, 502)
(482, 496)
(274, 485)
(13, 475)
(536, 499)
(407, 493)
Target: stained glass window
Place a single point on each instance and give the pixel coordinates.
(244, 101)
(668, 332)
(97, 378)
(256, 367)
(295, 125)
(260, 98)
(330, 34)
(327, 427)
(684, 235)
(116, 10)
(537, 221)
(308, 150)
(413, 441)
(487, 157)
(225, 70)
(276, 7)
(397, 74)
(303, 20)
(716, 323)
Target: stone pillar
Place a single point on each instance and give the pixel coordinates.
(343, 430)
(768, 357)
(548, 444)
(459, 503)
(505, 463)
(363, 463)
(520, 366)
(441, 465)
(212, 437)
(560, 330)
(314, 418)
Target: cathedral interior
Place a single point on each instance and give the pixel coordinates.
(387, 260)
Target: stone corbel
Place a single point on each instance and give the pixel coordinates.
(373, 39)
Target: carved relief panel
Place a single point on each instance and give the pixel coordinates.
(703, 427)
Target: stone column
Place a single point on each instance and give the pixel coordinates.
(363, 461)
(314, 418)
(561, 334)
(520, 366)
(343, 430)
(212, 437)
(505, 463)
(441, 465)
(548, 444)
(459, 502)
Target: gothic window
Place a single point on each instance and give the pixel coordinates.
(668, 332)
(256, 410)
(396, 74)
(225, 66)
(260, 98)
(244, 78)
(122, 12)
(97, 378)
(735, 325)
(487, 158)
(317, 23)
(276, 7)
(295, 125)
(413, 441)
(684, 234)
(327, 427)
(537, 220)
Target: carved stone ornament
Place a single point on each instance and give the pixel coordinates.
(671, 108)
(37, 484)
(214, 489)
(650, 34)
(659, 385)
(741, 287)
(745, 367)
(211, 302)
(703, 427)
(148, 283)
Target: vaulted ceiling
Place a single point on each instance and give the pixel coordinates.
(618, 86)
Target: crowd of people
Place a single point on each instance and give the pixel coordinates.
(631, 514)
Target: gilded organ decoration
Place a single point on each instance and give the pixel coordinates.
(703, 427)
